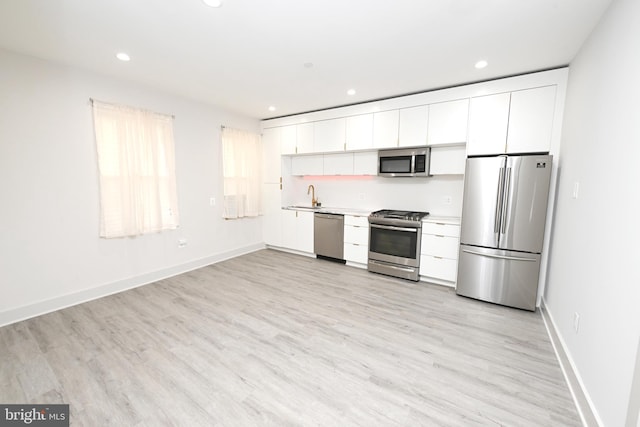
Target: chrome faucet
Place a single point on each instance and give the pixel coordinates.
(314, 201)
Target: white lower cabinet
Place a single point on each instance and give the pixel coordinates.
(297, 230)
(439, 251)
(356, 239)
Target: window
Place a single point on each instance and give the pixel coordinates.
(137, 170)
(242, 170)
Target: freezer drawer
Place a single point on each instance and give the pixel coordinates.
(502, 277)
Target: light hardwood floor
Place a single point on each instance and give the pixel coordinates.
(272, 338)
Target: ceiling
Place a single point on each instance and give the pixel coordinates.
(300, 55)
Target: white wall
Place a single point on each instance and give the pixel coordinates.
(594, 254)
(50, 253)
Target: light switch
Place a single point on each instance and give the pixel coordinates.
(576, 188)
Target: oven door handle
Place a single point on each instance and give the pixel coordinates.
(394, 228)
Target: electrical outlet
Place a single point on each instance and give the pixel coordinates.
(360, 196)
(576, 189)
(576, 322)
(182, 243)
(446, 200)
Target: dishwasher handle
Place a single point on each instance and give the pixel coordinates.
(329, 216)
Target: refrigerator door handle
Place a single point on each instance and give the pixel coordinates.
(509, 258)
(505, 200)
(496, 221)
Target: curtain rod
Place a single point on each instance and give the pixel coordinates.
(118, 105)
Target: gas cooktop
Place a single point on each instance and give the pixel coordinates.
(399, 215)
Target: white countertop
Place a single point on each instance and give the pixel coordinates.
(454, 220)
(330, 209)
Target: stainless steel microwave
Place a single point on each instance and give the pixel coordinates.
(404, 162)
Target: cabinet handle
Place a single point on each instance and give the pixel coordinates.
(439, 235)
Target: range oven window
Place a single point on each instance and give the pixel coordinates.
(396, 164)
(393, 242)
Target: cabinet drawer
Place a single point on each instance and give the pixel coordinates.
(441, 246)
(438, 268)
(354, 234)
(361, 221)
(356, 253)
(439, 229)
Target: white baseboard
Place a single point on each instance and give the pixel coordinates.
(46, 306)
(581, 397)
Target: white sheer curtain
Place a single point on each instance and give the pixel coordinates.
(137, 170)
(242, 166)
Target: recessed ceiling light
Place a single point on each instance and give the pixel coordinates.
(213, 3)
(123, 57)
(481, 64)
(272, 108)
(351, 92)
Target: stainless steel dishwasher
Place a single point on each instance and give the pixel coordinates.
(328, 236)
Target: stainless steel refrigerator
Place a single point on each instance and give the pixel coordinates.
(503, 219)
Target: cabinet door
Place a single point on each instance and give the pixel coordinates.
(359, 132)
(304, 139)
(304, 232)
(288, 227)
(448, 122)
(288, 139)
(307, 165)
(365, 163)
(272, 214)
(488, 120)
(355, 252)
(531, 120)
(328, 135)
(439, 268)
(271, 170)
(440, 246)
(413, 126)
(338, 164)
(448, 160)
(385, 129)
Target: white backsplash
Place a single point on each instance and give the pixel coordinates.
(440, 195)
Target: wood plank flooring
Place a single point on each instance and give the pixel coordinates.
(275, 339)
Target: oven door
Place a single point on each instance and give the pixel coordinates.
(393, 244)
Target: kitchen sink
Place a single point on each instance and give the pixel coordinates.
(306, 208)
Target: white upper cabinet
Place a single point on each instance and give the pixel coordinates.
(307, 165)
(413, 126)
(448, 122)
(365, 163)
(516, 122)
(304, 140)
(288, 137)
(328, 135)
(488, 121)
(271, 155)
(531, 120)
(338, 164)
(448, 160)
(385, 129)
(359, 132)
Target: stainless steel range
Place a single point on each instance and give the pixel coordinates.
(394, 243)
